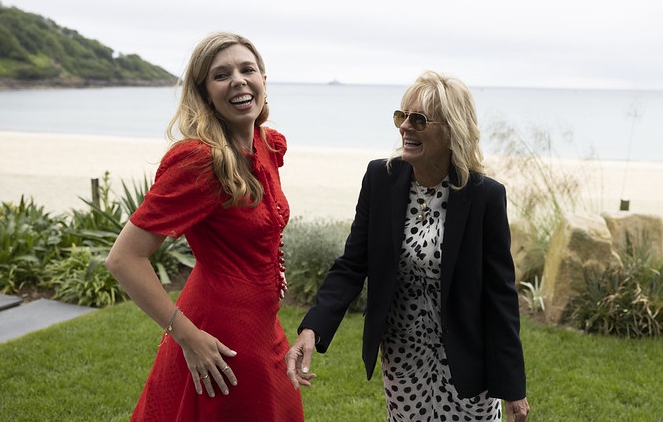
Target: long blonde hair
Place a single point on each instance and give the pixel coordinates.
(447, 99)
(196, 118)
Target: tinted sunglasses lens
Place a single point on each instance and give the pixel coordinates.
(418, 121)
(399, 118)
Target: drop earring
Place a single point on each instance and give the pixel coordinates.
(266, 102)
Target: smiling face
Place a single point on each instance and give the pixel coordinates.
(236, 87)
(427, 151)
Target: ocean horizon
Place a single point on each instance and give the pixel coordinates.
(572, 123)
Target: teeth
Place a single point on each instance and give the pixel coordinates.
(242, 99)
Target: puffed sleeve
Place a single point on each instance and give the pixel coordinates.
(185, 191)
(277, 141)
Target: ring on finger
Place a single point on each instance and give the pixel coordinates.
(226, 368)
(204, 377)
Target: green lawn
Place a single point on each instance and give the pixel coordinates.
(93, 368)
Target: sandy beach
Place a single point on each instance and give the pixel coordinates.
(56, 169)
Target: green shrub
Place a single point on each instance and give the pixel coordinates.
(172, 253)
(64, 252)
(99, 225)
(310, 250)
(81, 278)
(533, 294)
(29, 239)
(625, 302)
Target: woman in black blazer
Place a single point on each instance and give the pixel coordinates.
(432, 239)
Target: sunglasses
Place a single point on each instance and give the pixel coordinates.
(417, 120)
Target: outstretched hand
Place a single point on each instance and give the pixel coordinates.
(298, 359)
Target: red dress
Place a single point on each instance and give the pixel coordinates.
(232, 292)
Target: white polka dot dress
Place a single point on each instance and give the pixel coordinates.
(417, 381)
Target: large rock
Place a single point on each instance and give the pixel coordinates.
(580, 243)
(641, 232)
(527, 257)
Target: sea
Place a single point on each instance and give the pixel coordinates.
(569, 123)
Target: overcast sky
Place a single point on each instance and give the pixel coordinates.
(604, 44)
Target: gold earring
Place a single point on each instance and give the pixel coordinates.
(266, 102)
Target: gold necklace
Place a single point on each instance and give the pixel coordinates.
(423, 205)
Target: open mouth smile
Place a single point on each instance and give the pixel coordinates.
(242, 101)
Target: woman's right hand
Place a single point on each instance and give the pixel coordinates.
(298, 359)
(128, 261)
(205, 356)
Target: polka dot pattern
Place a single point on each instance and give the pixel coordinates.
(415, 371)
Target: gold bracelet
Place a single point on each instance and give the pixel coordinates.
(169, 328)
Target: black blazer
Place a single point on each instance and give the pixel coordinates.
(480, 314)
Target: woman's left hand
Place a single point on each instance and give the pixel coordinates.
(516, 411)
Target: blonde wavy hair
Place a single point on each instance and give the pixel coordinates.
(196, 118)
(447, 99)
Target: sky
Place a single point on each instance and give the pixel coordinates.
(578, 44)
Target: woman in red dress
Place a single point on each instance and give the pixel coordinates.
(221, 356)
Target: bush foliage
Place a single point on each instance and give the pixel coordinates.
(82, 278)
(65, 253)
(29, 240)
(626, 302)
(311, 248)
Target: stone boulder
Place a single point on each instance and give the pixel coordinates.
(630, 230)
(580, 243)
(527, 257)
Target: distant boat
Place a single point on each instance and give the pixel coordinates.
(334, 82)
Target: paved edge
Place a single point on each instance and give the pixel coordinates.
(37, 315)
(8, 301)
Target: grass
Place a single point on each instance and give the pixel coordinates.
(93, 368)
